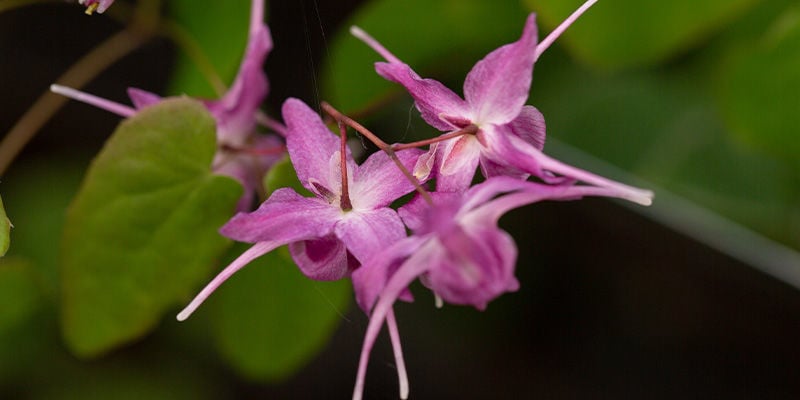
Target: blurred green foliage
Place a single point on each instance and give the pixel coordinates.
(5, 230)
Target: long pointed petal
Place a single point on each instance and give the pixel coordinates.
(108, 105)
(498, 85)
(394, 335)
(510, 149)
(366, 233)
(285, 216)
(431, 97)
(562, 27)
(258, 250)
(412, 268)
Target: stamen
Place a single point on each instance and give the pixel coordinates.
(338, 116)
(108, 105)
(469, 130)
(438, 301)
(92, 8)
(544, 44)
(371, 42)
(345, 198)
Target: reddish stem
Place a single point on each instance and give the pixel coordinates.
(469, 130)
(338, 116)
(345, 199)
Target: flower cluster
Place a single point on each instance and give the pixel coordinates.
(348, 229)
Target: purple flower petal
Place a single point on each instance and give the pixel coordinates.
(431, 97)
(475, 268)
(285, 216)
(371, 278)
(378, 181)
(311, 147)
(258, 250)
(323, 259)
(459, 160)
(235, 111)
(530, 126)
(498, 85)
(366, 233)
(142, 98)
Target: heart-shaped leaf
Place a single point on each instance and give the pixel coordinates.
(270, 319)
(141, 234)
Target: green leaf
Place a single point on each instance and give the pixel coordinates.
(219, 28)
(5, 230)
(631, 33)
(433, 36)
(282, 174)
(20, 292)
(760, 91)
(142, 232)
(271, 320)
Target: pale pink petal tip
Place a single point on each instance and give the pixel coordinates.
(374, 44)
(108, 105)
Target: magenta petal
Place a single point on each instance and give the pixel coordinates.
(142, 98)
(476, 267)
(397, 284)
(373, 275)
(235, 111)
(458, 162)
(310, 144)
(378, 181)
(497, 86)
(285, 216)
(251, 254)
(522, 155)
(530, 126)
(323, 259)
(414, 213)
(431, 97)
(366, 233)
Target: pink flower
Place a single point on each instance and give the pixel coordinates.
(333, 233)
(457, 250)
(242, 153)
(510, 135)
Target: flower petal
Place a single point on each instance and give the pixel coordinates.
(530, 126)
(498, 85)
(378, 181)
(323, 259)
(311, 146)
(142, 98)
(258, 250)
(397, 284)
(286, 216)
(431, 97)
(366, 233)
(520, 154)
(373, 275)
(477, 267)
(235, 111)
(458, 162)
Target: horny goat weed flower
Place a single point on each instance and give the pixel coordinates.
(242, 153)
